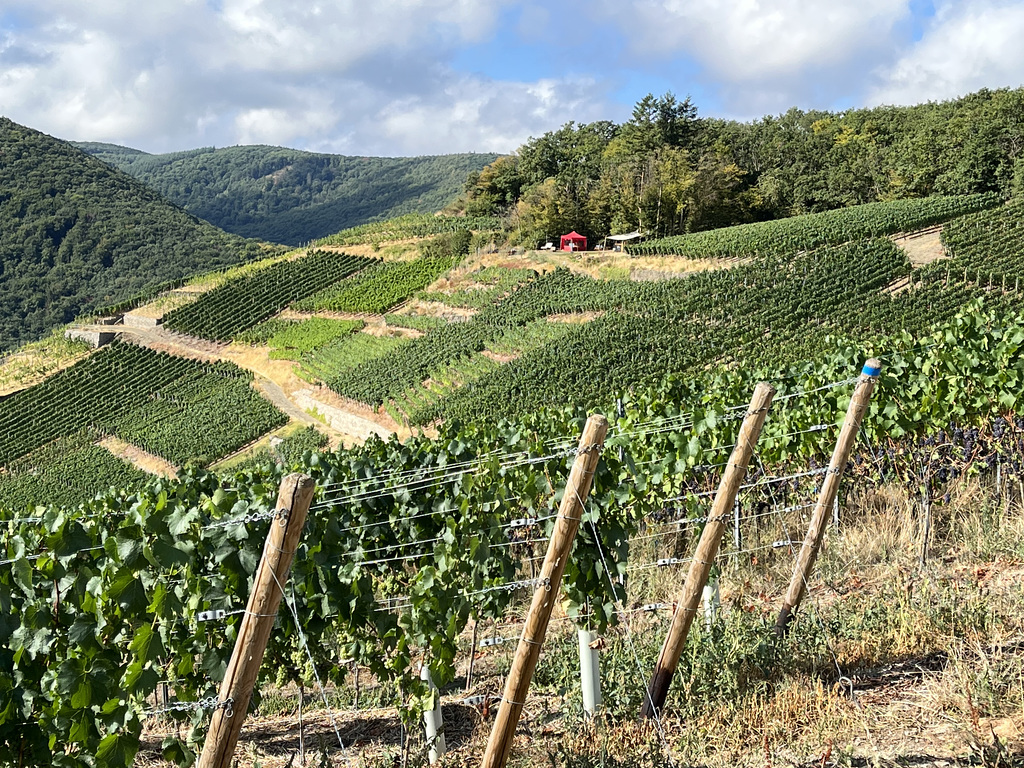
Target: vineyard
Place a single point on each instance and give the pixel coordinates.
(219, 413)
(175, 408)
(64, 473)
(296, 339)
(645, 331)
(240, 303)
(489, 285)
(409, 226)
(119, 611)
(346, 354)
(989, 245)
(378, 288)
(409, 543)
(783, 236)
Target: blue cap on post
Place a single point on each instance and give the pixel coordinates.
(872, 368)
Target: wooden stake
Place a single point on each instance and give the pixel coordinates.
(829, 488)
(707, 550)
(926, 503)
(292, 503)
(559, 547)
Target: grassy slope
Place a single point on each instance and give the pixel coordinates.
(76, 234)
(290, 196)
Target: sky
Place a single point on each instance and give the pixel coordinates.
(411, 77)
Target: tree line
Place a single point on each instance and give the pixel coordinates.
(668, 171)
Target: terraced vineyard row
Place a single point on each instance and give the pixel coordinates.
(91, 393)
(241, 303)
(490, 285)
(377, 288)
(409, 226)
(790, 235)
(298, 338)
(154, 400)
(200, 419)
(65, 473)
(989, 243)
(660, 326)
(345, 354)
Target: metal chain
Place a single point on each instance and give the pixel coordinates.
(256, 517)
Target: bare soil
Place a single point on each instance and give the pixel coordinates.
(575, 318)
(147, 462)
(922, 247)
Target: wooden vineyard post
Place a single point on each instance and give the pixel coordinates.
(559, 547)
(285, 529)
(707, 550)
(826, 498)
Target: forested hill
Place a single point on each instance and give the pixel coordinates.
(669, 171)
(289, 196)
(76, 234)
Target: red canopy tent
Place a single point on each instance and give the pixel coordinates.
(574, 241)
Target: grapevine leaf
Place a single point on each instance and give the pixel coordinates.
(116, 750)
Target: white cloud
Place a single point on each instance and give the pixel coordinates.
(495, 117)
(335, 75)
(968, 45)
(756, 40)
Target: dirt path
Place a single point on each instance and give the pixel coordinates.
(922, 247)
(275, 379)
(147, 462)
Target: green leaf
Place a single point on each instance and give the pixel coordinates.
(117, 750)
(176, 751)
(129, 593)
(146, 644)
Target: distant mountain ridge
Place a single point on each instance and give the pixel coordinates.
(76, 234)
(290, 196)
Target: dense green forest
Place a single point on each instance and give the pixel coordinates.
(288, 196)
(668, 171)
(76, 234)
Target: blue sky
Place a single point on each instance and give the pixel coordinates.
(404, 77)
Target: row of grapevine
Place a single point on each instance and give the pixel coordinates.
(186, 423)
(991, 242)
(128, 390)
(650, 328)
(241, 303)
(378, 288)
(298, 338)
(409, 226)
(64, 473)
(90, 393)
(345, 354)
(416, 322)
(782, 236)
(489, 285)
(132, 571)
(261, 333)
